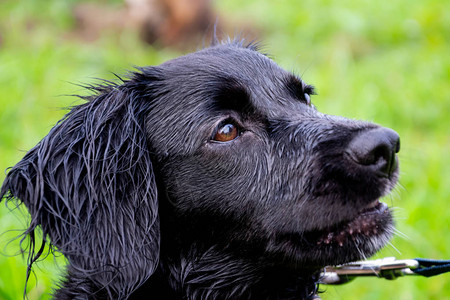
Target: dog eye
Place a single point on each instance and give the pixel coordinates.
(307, 99)
(226, 132)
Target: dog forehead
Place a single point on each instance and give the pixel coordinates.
(243, 64)
(205, 71)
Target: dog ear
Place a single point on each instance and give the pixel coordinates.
(90, 186)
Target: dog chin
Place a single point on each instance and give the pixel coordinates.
(347, 241)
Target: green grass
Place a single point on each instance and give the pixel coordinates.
(384, 62)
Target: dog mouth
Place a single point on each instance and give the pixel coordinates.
(370, 221)
(363, 234)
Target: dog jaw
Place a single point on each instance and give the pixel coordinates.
(346, 241)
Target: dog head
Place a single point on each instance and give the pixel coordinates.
(237, 136)
(219, 148)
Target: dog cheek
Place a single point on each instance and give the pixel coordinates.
(209, 182)
(284, 205)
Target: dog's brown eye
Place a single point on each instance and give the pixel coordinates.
(307, 99)
(226, 133)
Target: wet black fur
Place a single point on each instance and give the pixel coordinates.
(132, 189)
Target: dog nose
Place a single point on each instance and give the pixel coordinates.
(376, 149)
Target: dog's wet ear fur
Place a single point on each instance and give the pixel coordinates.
(89, 185)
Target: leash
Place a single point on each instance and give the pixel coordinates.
(388, 268)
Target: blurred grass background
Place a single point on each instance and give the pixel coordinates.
(387, 62)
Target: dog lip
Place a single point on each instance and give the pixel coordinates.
(365, 223)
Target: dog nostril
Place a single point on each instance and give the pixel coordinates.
(376, 149)
(397, 146)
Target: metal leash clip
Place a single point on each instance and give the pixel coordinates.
(388, 268)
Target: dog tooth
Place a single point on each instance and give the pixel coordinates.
(371, 205)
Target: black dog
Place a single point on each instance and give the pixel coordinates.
(211, 176)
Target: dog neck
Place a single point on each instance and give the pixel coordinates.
(196, 263)
(215, 274)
